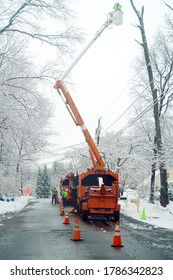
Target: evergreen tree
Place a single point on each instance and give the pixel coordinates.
(45, 183)
(39, 184)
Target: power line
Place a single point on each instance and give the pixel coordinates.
(115, 100)
(134, 120)
(154, 79)
(126, 126)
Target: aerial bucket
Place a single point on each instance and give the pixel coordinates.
(117, 17)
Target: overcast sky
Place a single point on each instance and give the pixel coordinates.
(102, 76)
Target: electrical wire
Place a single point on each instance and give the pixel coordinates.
(126, 126)
(134, 120)
(154, 79)
(120, 131)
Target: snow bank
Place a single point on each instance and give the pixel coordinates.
(13, 206)
(154, 214)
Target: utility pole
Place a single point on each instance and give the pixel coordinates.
(98, 131)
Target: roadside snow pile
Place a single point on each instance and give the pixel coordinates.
(13, 206)
(153, 214)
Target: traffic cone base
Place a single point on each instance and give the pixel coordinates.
(76, 233)
(117, 242)
(121, 245)
(66, 219)
(80, 239)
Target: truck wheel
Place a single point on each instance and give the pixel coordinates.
(79, 207)
(116, 216)
(85, 216)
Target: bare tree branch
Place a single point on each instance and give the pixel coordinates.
(168, 6)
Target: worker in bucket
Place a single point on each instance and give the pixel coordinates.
(117, 7)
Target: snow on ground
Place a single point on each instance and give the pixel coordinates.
(12, 206)
(153, 214)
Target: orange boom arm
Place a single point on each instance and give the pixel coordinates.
(97, 161)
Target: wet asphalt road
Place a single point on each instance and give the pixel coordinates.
(38, 233)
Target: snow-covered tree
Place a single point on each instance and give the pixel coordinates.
(38, 189)
(57, 171)
(46, 184)
(157, 104)
(43, 183)
(24, 111)
(49, 21)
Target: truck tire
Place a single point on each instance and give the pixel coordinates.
(85, 216)
(116, 216)
(79, 208)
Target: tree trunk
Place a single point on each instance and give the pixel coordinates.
(153, 173)
(164, 200)
(18, 171)
(163, 172)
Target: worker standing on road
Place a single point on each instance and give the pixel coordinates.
(117, 7)
(64, 197)
(54, 195)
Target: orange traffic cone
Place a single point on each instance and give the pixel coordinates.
(62, 210)
(66, 219)
(76, 233)
(117, 238)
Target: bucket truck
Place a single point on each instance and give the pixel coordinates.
(97, 188)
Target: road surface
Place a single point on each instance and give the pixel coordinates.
(38, 233)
